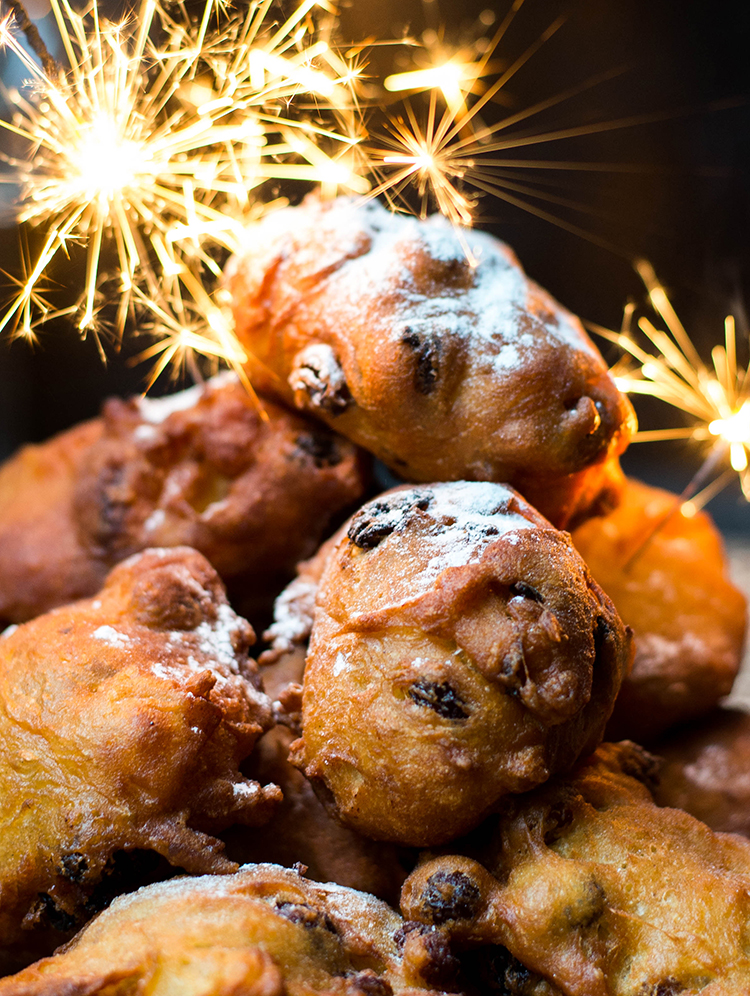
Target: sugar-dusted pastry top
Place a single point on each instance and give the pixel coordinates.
(585, 886)
(123, 722)
(253, 491)
(668, 576)
(460, 651)
(264, 931)
(431, 348)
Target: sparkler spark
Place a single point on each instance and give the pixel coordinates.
(451, 155)
(148, 147)
(718, 398)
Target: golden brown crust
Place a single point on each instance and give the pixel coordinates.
(201, 468)
(42, 561)
(264, 931)
(460, 651)
(380, 326)
(673, 589)
(706, 770)
(123, 721)
(302, 831)
(598, 891)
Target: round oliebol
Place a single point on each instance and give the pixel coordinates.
(432, 349)
(460, 651)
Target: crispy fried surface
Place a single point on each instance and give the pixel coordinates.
(123, 720)
(200, 468)
(460, 651)
(706, 770)
(380, 326)
(264, 931)
(597, 890)
(42, 561)
(301, 830)
(688, 619)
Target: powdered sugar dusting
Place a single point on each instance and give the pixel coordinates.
(218, 639)
(460, 521)
(107, 634)
(341, 664)
(246, 791)
(490, 310)
(156, 410)
(293, 614)
(155, 520)
(469, 515)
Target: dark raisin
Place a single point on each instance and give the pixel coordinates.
(379, 519)
(112, 505)
(666, 987)
(440, 697)
(524, 590)
(320, 375)
(639, 764)
(306, 916)
(74, 867)
(499, 972)
(441, 967)
(555, 821)
(450, 896)
(588, 907)
(427, 354)
(370, 984)
(322, 448)
(367, 529)
(51, 914)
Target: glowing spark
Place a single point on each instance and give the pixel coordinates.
(147, 148)
(454, 79)
(718, 398)
(451, 155)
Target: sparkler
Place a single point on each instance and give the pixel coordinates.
(450, 155)
(717, 397)
(150, 145)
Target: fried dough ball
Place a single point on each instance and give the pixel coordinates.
(123, 721)
(460, 651)
(200, 468)
(264, 931)
(706, 770)
(590, 888)
(671, 586)
(446, 368)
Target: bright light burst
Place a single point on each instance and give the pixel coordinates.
(452, 156)
(718, 397)
(147, 148)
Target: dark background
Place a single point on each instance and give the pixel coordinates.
(680, 197)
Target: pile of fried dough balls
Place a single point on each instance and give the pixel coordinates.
(446, 712)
